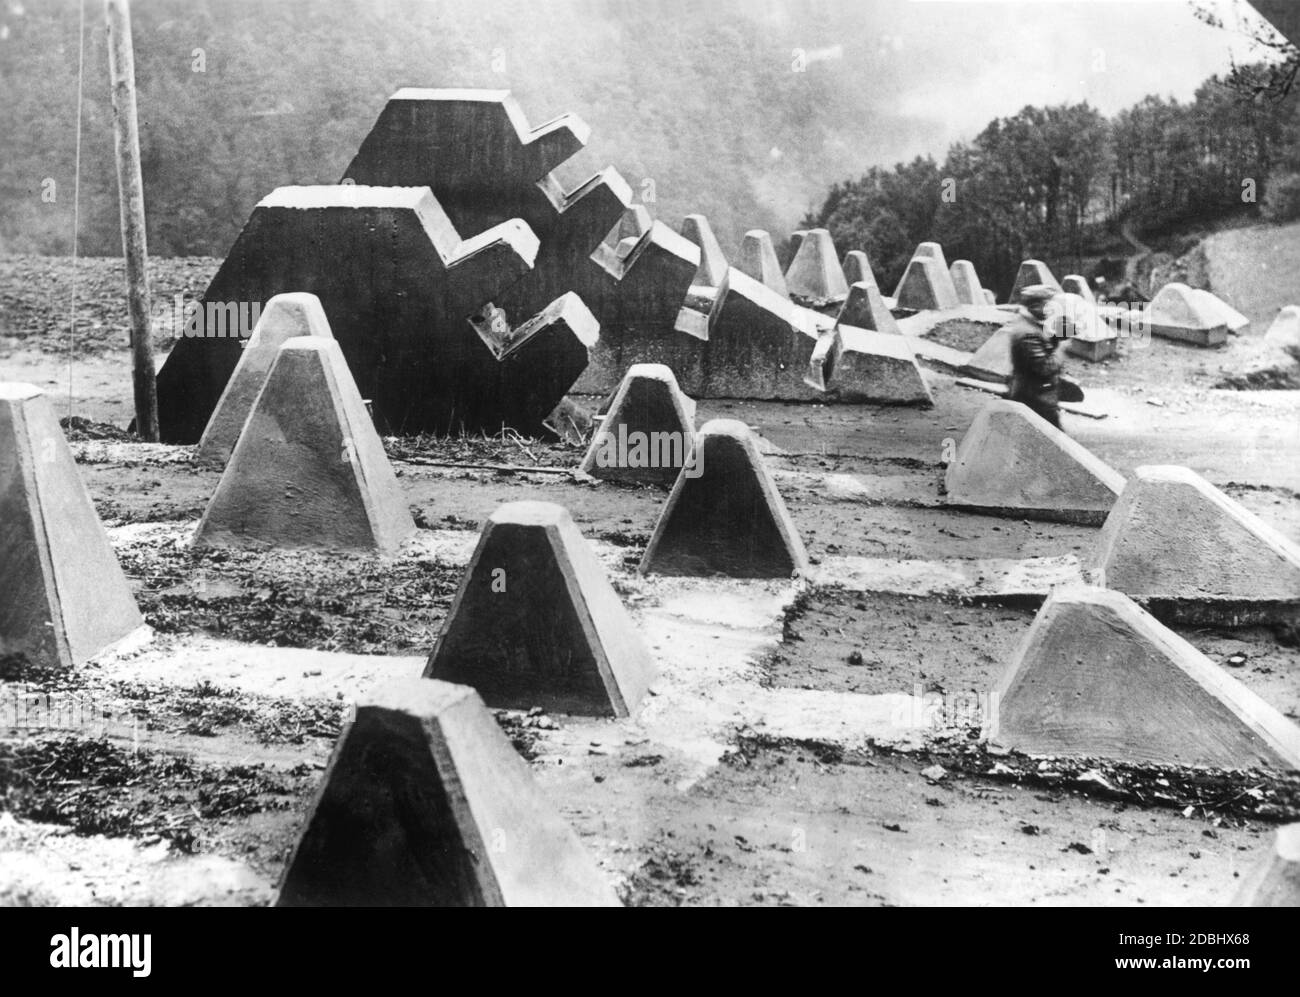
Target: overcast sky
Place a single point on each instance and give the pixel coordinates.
(952, 65)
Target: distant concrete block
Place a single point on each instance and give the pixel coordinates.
(934, 251)
(857, 269)
(1074, 284)
(648, 431)
(966, 283)
(1284, 332)
(425, 803)
(857, 366)
(989, 297)
(1219, 310)
(992, 361)
(1275, 882)
(713, 264)
(865, 309)
(726, 517)
(308, 471)
(1076, 321)
(536, 623)
(1012, 461)
(758, 261)
(1032, 272)
(285, 317)
(63, 597)
(1180, 312)
(815, 279)
(1096, 676)
(926, 286)
(1181, 546)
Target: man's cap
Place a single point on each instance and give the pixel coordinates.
(1037, 292)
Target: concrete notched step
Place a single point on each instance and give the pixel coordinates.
(309, 470)
(419, 140)
(1013, 462)
(425, 803)
(925, 286)
(729, 518)
(285, 317)
(1032, 272)
(966, 283)
(815, 278)
(1189, 552)
(536, 622)
(1098, 676)
(1275, 882)
(397, 283)
(648, 431)
(63, 596)
(758, 261)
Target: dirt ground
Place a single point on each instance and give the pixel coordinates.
(766, 768)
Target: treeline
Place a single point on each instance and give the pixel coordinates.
(1064, 183)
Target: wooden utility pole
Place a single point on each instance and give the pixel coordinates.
(130, 186)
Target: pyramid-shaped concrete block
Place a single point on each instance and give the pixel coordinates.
(859, 366)
(934, 251)
(648, 432)
(815, 278)
(966, 283)
(989, 297)
(713, 264)
(425, 803)
(857, 269)
(1032, 272)
(63, 597)
(536, 622)
(1284, 332)
(286, 316)
(725, 515)
(926, 286)
(1275, 882)
(1173, 538)
(1074, 284)
(1219, 310)
(1097, 676)
(1186, 314)
(1013, 461)
(865, 309)
(758, 261)
(1076, 321)
(308, 471)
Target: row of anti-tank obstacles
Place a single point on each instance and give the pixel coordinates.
(1097, 675)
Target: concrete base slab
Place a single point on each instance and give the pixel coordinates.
(1097, 676)
(536, 623)
(1174, 537)
(425, 803)
(730, 519)
(1213, 336)
(63, 596)
(1013, 459)
(309, 470)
